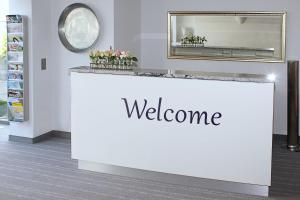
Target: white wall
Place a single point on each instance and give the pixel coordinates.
(128, 26)
(4, 10)
(50, 90)
(38, 105)
(154, 42)
(62, 59)
(26, 129)
(42, 88)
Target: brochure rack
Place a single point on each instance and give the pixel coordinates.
(15, 79)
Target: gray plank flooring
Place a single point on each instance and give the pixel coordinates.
(45, 171)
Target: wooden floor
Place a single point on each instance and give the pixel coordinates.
(45, 171)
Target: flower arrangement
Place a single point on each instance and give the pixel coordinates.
(193, 40)
(111, 59)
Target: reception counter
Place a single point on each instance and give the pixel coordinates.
(192, 128)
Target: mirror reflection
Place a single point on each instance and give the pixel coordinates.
(81, 28)
(233, 36)
(78, 27)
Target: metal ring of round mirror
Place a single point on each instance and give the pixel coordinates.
(78, 27)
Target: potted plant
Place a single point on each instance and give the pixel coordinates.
(110, 59)
(191, 40)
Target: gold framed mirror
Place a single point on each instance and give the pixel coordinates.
(237, 36)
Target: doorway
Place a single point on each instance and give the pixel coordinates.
(3, 72)
(3, 62)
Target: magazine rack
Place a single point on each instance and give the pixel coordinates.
(15, 74)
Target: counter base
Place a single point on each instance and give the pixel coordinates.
(175, 179)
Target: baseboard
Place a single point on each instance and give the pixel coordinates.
(14, 138)
(67, 135)
(43, 137)
(281, 137)
(5, 122)
(175, 179)
(62, 134)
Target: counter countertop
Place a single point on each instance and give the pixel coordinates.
(165, 73)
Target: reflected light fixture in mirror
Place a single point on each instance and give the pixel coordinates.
(271, 77)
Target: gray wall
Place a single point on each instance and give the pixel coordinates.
(154, 42)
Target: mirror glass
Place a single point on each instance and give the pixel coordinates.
(78, 27)
(227, 36)
(81, 28)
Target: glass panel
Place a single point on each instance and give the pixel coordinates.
(3, 71)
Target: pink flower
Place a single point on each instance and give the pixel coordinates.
(124, 54)
(118, 53)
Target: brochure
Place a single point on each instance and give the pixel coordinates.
(15, 56)
(15, 75)
(14, 19)
(14, 27)
(15, 93)
(15, 38)
(15, 85)
(18, 67)
(15, 46)
(16, 109)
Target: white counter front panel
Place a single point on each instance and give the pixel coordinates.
(233, 144)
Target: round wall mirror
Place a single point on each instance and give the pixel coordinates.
(78, 27)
